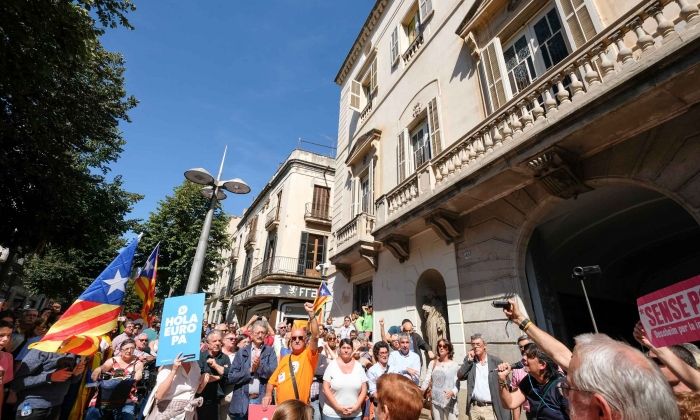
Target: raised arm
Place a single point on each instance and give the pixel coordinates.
(550, 345)
(313, 326)
(510, 399)
(681, 369)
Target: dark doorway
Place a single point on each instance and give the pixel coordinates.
(642, 240)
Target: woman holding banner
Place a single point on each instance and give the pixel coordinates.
(174, 393)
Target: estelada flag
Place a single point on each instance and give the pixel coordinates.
(145, 285)
(95, 312)
(322, 296)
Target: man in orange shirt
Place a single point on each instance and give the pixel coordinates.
(302, 361)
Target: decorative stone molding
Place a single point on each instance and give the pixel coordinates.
(557, 170)
(445, 224)
(370, 254)
(344, 269)
(398, 245)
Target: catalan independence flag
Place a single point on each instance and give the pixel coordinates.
(322, 296)
(95, 312)
(145, 285)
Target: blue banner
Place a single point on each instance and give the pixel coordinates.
(180, 328)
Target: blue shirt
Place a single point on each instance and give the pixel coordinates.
(398, 363)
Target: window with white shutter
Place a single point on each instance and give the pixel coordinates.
(494, 88)
(355, 92)
(394, 48)
(578, 19)
(401, 157)
(426, 8)
(434, 127)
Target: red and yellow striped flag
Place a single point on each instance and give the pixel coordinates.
(95, 312)
(145, 285)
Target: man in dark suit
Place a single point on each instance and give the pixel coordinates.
(479, 370)
(250, 371)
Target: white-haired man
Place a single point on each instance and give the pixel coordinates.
(607, 379)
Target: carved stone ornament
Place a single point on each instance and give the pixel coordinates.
(398, 245)
(558, 172)
(416, 109)
(445, 224)
(344, 270)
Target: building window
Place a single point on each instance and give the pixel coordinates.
(365, 194)
(312, 252)
(537, 48)
(231, 276)
(411, 25)
(424, 139)
(420, 144)
(364, 88)
(544, 42)
(362, 296)
(319, 205)
(246, 268)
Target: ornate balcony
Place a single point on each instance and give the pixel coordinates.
(505, 150)
(413, 48)
(354, 241)
(272, 220)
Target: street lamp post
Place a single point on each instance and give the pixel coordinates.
(212, 191)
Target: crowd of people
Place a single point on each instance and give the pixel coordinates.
(322, 370)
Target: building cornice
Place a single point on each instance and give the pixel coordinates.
(281, 172)
(363, 37)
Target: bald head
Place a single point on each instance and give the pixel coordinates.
(298, 340)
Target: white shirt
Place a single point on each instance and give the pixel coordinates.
(398, 363)
(344, 386)
(481, 390)
(184, 384)
(344, 332)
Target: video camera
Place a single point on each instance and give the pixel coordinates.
(503, 302)
(583, 272)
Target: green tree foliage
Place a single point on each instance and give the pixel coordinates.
(64, 274)
(62, 97)
(177, 224)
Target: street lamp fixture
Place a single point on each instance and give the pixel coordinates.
(212, 191)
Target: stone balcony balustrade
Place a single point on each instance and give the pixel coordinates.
(633, 43)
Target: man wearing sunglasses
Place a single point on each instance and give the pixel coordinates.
(295, 373)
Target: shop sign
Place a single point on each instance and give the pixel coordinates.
(277, 290)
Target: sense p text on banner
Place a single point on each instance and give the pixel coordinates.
(672, 315)
(95, 311)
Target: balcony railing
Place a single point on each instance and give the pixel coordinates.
(613, 56)
(367, 109)
(317, 212)
(358, 229)
(250, 239)
(284, 266)
(413, 48)
(236, 284)
(272, 218)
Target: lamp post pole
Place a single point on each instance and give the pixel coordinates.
(213, 187)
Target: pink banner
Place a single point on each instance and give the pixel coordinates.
(257, 412)
(672, 315)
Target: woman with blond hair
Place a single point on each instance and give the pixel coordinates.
(293, 410)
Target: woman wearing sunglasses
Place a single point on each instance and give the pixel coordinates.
(442, 376)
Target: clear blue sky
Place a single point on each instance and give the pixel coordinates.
(255, 75)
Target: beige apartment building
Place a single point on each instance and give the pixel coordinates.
(216, 303)
(279, 241)
(491, 146)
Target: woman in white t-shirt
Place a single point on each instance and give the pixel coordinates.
(175, 390)
(344, 385)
